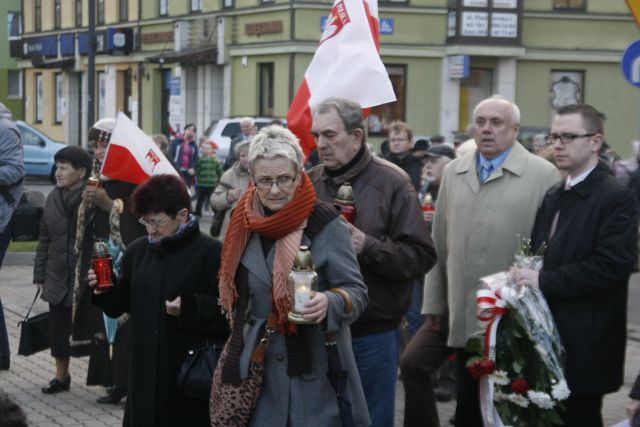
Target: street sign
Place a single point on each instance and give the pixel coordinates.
(634, 7)
(631, 63)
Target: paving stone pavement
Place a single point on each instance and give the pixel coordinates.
(78, 408)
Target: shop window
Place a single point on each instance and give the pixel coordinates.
(196, 5)
(38, 98)
(57, 14)
(124, 10)
(14, 24)
(102, 91)
(78, 13)
(14, 83)
(59, 99)
(473, 89)
(380, 116)
(38, 15)
(100, 12)
(163, 7)
(569, 4)
(266, 89)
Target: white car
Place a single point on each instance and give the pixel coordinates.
(222, 131)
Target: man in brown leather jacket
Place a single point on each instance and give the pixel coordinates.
(389, 235)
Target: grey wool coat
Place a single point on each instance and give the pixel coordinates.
(307, 400)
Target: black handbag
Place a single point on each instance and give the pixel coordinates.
(34, 332)
(216, 224)
(196, 372)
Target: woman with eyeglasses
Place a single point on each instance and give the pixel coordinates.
(169, 286)
(276, 216)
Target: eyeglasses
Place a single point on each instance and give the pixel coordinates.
(281, 182)
(565, 138)
(155, 223)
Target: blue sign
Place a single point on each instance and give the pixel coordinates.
(386, 26)
(323, 23)
(45, 46)
(67, 44)
(174, 86)
(631, 63)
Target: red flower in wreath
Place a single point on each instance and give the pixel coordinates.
(481, 367)
(519, 385)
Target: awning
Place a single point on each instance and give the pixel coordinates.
(38, 61)
(204, 55)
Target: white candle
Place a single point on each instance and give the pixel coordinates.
(301, 297)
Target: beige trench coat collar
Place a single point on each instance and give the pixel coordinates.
(514, 163)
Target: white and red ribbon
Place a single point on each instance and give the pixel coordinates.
(490, 308)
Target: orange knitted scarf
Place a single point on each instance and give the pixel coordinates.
(285, 227)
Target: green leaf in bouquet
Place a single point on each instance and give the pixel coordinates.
(474, 345)
(553, 417)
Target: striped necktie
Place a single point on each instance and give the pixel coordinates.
(485, 170)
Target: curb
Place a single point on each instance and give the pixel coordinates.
(19, 258)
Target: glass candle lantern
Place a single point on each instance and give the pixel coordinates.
(303, 284)
(345, 200)
(102, 264)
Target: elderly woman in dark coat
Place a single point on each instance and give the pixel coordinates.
(169, 287)
(55, 255)
(275, 216)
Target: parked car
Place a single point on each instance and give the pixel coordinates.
(39, 150)
(222, 132)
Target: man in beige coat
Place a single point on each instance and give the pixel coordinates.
(486, 199)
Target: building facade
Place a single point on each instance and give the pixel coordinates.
(10, 76)
(169, 63)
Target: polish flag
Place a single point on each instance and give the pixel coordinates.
(346, 64)
(132, 156)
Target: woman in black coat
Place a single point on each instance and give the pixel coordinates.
(55, 256)
(169, 287)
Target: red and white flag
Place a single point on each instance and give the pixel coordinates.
(346, 64)
(132, 156)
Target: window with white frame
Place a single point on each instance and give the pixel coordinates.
(102, 92)
(14, 84)
(14, 24)
(59, 99)
(78, 13)
(164, 7)
(196, 5)
(38, 97)
(57, 14)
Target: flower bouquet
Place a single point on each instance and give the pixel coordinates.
(519, 351)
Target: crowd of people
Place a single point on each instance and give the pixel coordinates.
(396, 278)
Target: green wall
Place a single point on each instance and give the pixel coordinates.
(604, 87)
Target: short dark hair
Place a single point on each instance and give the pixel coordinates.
(161, 193)
(11, 415)
(190, 125)
(591, 117)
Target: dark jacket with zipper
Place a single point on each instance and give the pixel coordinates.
(585, 278)
(55, 260)
(411, 165)
(184, 265)
(398, 246)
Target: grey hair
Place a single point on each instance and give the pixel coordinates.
(275, 141)
(515, 111)
(349, 112)
(241, 146)
(247, 120)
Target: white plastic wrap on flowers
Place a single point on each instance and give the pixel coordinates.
(531, 305)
